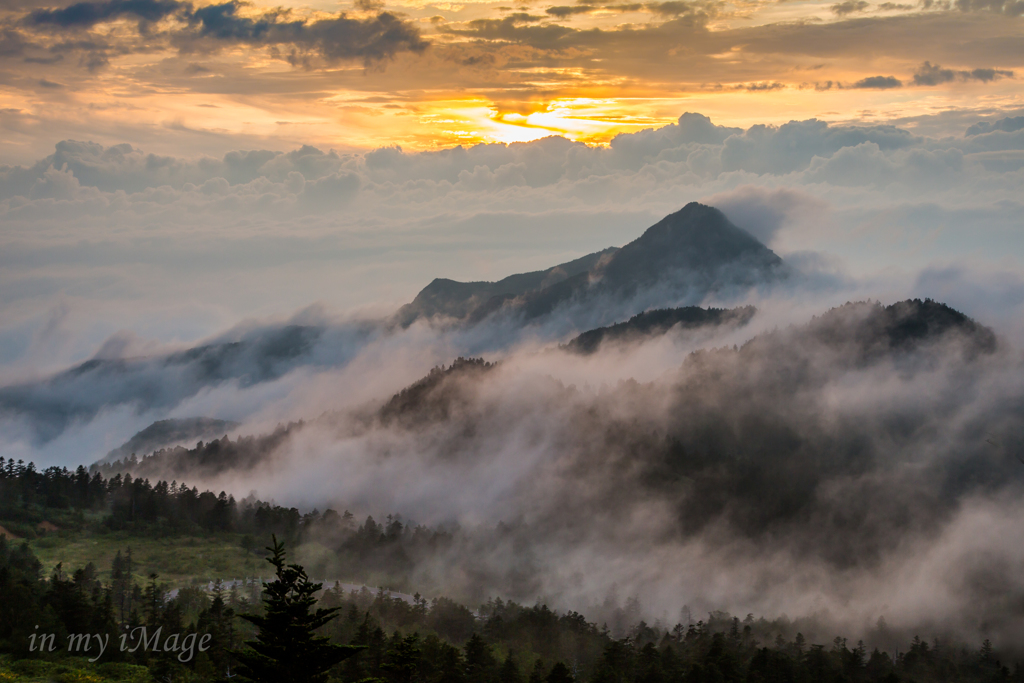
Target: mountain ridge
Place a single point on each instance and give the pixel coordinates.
(697, 247)
(657, 322)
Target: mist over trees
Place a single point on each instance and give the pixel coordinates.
(815, 469)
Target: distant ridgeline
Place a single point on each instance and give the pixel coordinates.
(262, 355)
(696, 250)
(204, 459)
(658, 322)
(163, 433)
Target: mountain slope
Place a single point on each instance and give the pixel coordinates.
(696, 241)
(449, 298)
(696, 250)
(658, 322)
(163, 433)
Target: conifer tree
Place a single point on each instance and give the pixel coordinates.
(287, 647)
(537, 675)
(559, 674)
(480, 662)
(403, 658)
(509, 671)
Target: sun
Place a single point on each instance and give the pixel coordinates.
(582, 119)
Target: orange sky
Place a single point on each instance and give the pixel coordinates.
(427, 75)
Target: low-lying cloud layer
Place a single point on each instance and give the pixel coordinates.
(864, 464)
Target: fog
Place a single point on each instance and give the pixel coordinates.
(834, 470)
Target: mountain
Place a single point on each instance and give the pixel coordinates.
(163, 433)
(159, 382)
(202, 460)
(459, 300)
(658, 322)
(696, 250)
(436, 397)
(865, 331)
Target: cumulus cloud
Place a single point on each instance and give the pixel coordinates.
(878, 83)
(90, 13)
(849, 7)
(933, 74)
(1010, 124)
(339, 37)
(329, 38)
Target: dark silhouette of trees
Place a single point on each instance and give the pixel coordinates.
(287, 647)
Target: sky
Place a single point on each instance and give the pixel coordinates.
(176, 77)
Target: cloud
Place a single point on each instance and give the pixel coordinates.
(849, 7)
(791, 147)
(330, 38)
(813, 468)
(12, 43)
(764, 212)
(1009, 124)
(86, 14)
(563, 11)
(929, 74)
(339, 37)
(1013, 8)
(933, 74)
(758, 87)
(878, 83)
(676, 8)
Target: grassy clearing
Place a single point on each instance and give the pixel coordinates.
(178, 560)
(70, 670)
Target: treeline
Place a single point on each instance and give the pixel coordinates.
(384, 551)
(505, 642)
(441, 641)
(205, 460)
(27, 494)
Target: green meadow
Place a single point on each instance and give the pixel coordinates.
(177, 560)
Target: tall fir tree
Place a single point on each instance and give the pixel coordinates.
(287, 647)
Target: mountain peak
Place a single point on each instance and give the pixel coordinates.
(696, 249)
(697, 241)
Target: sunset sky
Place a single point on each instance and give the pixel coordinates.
(174, 76)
